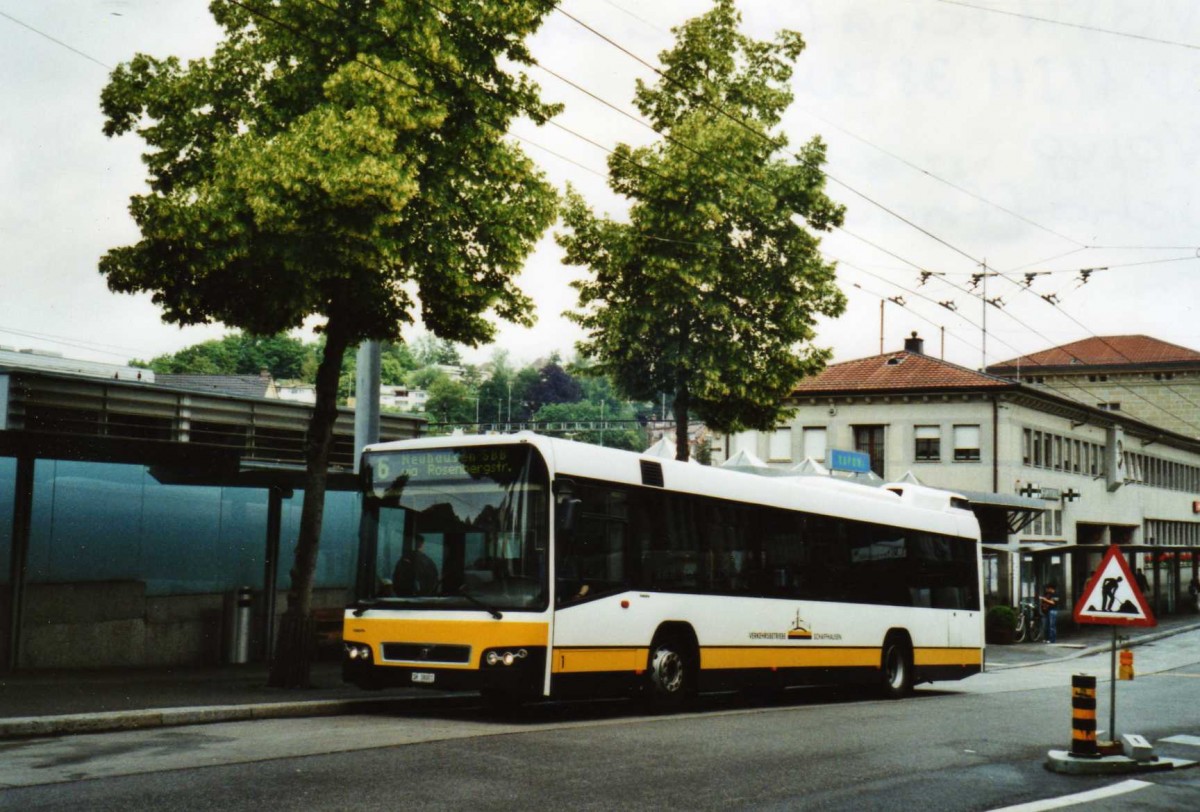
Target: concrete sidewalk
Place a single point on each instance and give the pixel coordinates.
(43, 703)
(49, 703)
(1079, 641)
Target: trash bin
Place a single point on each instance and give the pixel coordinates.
(238, 616)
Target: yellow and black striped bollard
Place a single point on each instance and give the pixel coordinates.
(1083, 716)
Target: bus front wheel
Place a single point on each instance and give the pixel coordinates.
(897, 667)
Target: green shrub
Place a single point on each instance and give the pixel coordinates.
(999, 624)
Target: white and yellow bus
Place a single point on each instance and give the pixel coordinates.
(525, 566)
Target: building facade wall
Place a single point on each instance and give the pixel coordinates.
(1169, 399)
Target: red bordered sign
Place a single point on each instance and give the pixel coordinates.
(1112, 597)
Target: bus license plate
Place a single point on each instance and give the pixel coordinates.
(423, 677)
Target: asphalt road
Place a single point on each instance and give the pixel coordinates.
(979, 744)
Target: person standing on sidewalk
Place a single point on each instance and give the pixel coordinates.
(1049, 605)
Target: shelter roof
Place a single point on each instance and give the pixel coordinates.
(242, 386)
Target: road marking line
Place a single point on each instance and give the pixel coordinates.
(1079, 798)
(1194, 741)
(1170, 674)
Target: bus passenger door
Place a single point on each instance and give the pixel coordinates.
(589, 571)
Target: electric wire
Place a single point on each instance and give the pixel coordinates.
(742, 123)
(1081, 26)
(65, 341)
(968, 320)
(56, 41)
(262, 15)
(992, 302)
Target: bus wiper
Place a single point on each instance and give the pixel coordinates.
(361, 606)
(491, 610)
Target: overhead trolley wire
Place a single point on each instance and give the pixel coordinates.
(742, 123)
(1081, 26)
(59, 42)
(267, 17)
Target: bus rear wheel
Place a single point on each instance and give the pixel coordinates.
(897, 667)
(671, 673)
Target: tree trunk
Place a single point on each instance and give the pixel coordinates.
(295, 643)
(680, 410)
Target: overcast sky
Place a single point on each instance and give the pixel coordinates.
(1044, 146)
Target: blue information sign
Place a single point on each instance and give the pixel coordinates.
(855, 461)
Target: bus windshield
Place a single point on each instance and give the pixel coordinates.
(462, 528)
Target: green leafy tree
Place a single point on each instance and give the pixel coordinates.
(449, 401)
(239, 353)
(593, 423)
(335, 159)
(554, 385)
(710, 291)
(429, 350)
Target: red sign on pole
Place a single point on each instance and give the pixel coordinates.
(1112, 596)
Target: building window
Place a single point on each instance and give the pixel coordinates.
(1037, 449)
(1027, 447)
(966, 443)
(869, 440)
(928, 443)
(814, 444)
(779, 445)
(744, 441)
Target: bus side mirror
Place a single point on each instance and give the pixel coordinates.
(568, 514)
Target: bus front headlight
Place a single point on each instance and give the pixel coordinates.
(508, 658)
(358, 651)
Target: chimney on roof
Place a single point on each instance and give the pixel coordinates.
(914, 344)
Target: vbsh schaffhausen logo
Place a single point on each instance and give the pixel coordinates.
(800, 630)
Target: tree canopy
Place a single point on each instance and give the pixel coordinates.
(238, 353)
(340, 160)
(710, 290)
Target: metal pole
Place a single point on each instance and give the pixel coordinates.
(275, 497)
(985, 276)
(881, 303)
(22, 522)
(366, 402)
(1112, 694)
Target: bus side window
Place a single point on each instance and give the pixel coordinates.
(593, 555)
(783, 556)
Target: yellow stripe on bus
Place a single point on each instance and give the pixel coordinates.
(760, 657)
(579, 661)
(583, 660)
(947, 656)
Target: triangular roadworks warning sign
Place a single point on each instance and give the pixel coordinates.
(1112, 597)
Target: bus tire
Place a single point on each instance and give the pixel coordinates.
(671, 671)
(896, 664)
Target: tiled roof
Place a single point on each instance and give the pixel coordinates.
(244, 386)
(897, 371)
(1105, 351)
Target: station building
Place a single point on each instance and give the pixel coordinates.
(132, 511)
(1054, 479)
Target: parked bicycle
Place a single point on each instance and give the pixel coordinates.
(1030, 624)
